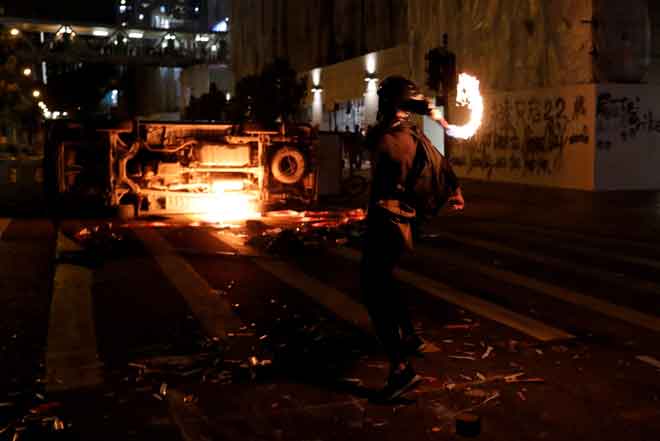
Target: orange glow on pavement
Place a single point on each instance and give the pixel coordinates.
(230, 202)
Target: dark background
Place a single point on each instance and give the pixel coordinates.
(97, 11)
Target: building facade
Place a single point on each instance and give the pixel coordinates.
(570, 86)
(165, 92)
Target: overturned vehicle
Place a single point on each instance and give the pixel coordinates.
(152, 167)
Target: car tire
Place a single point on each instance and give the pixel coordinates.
(288, 165)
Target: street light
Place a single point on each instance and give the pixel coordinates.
(36, 93)
(27, 71)
(14, 32)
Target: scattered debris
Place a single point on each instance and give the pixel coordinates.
(512, 345)
(486, 354)
(527, 380)
(58, 424)
(491, 398)
(462, 357)
(513, 377)
(649, 360)
(476, 393)
(465, 326)
(44, 408)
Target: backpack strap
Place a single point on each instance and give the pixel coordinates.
(418, 162)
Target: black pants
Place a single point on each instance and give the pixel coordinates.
(387, 308)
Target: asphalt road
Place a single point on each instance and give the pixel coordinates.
(177, 329)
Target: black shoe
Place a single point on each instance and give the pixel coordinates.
(400, 382)
(413, 345)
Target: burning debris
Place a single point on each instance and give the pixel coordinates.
(311, 230)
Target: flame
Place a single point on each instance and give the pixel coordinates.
(468, 95)
(230, 202)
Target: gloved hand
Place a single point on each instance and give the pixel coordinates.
(436, 115)
(456, 201)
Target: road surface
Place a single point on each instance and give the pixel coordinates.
(177, 329)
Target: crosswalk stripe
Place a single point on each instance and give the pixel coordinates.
(564, 234)
(491, 311)
(574, 267)
(582, 249)
(331, 298)
(214, 313)
(4, 223)
(611, 310)
(71, 354)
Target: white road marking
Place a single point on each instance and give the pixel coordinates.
(491, 311)
(587, 250)
(563, 235)
(603, 307)
(329, 297)
(574, 267)
(71, 357)
(4, 223)
(213, 312)
(193, 425)
(332, 297)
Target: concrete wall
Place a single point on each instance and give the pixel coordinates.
(159, 90)
(540, 137)
(345, 81)
(628, 139)
(653, 76)
(313, 33)
(508, 44)
(195, 82)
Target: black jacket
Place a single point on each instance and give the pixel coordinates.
(401, 154)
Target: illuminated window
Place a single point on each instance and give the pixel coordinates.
(220, 27)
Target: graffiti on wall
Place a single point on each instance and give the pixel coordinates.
(621, 119)
(524, 135)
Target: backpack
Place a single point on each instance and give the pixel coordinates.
(427, 182)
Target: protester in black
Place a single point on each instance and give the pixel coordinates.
(392, 208)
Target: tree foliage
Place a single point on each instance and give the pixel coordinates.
(276, 94)
(83, 87)
(18, 108)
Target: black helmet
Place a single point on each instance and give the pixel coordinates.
(399, 93)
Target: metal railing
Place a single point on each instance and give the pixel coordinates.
(76, 43)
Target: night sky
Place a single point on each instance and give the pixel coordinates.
(97, 11)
